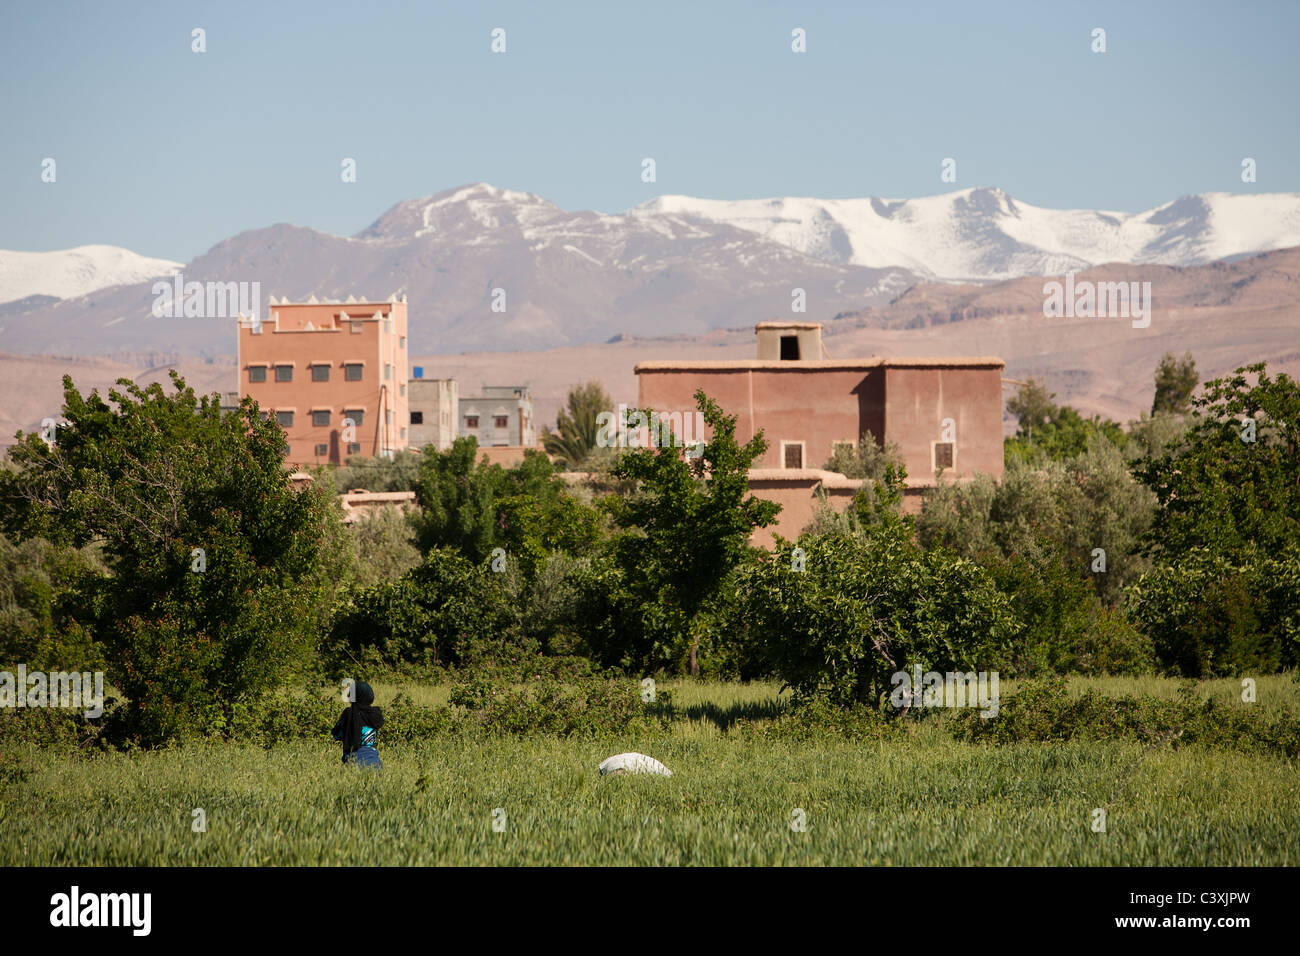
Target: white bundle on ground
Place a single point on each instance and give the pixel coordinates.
(633, 763)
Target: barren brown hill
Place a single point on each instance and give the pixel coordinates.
(1262, 281)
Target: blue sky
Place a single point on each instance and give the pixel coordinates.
(168, 152)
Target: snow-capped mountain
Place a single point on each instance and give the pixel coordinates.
(674, 265)
(984, 234)
(71, 272)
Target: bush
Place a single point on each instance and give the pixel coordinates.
(818, 718)
(39, 613)
(867, 605)
(1112, 645)
(1212, 615)
(544, 705)
(58, 729)
(277, 718)
(1043, 712)
(437, 614)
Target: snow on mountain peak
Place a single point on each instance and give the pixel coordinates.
(982, 233)
(475, 205)
(66, 273)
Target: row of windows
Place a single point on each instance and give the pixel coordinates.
(352, 372)
(498, 421)
(320, 418)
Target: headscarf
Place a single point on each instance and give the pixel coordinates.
(360, 713)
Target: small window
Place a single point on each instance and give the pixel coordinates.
(322, 451)
(284, 373)
(388, 416)
(356, 328)
(263, 415)
(402, 342)
(354, 448)
(471, 421)
(500, 421)
(417, 418)
(257, 373)
(357, 415)
(320, 373)
(320, 418)
(789, 348)
(403, 432)
(352, 372)
(402, 390)
(388, 372)
(944, 453)
(284, 419)
(792, 454)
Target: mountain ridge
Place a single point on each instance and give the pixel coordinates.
(672, 265)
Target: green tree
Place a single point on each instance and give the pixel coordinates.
(457, 497)
(1152, 435)
(683, 531)
(1212, 615)
(838, 619)
(1175, 382)
(442, 612)
(1234, 479)
(41, 623)
(1062, 436)
(577, 426)
(1032, 405)
(1221, 598)
(475, 508)
(213, 558)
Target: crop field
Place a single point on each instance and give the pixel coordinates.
(735, 798)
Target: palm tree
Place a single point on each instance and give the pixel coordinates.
(576, 426)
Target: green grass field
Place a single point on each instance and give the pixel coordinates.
(920, 799)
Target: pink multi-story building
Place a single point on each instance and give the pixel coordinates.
(334, 375)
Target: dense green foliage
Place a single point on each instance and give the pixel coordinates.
(1226, 535)
(440, 612)
(1233, 481)
(476, 508)
(838, 616)
(214, 566)
(682, 531)
(159, 539)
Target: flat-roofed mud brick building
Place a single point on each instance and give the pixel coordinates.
(945, 414)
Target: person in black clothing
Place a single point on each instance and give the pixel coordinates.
(358, 728)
